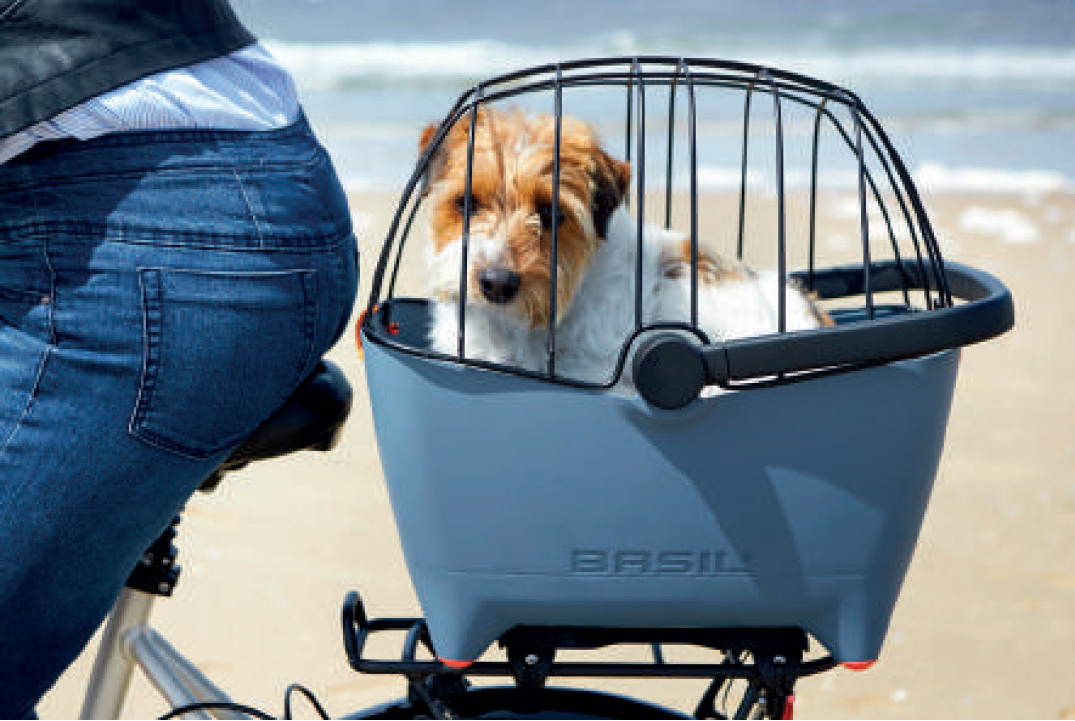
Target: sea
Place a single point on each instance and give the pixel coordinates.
(977, 95)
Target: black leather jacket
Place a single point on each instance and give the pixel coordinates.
(54, 54)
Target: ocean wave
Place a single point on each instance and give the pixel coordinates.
(928, 178)
(933, 177)
(325, 66)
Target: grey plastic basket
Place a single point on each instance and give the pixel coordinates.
(793, 500)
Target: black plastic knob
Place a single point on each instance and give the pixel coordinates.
(669, 372)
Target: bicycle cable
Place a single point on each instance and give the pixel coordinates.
(309, 697)
(217, 705)
(250, 710)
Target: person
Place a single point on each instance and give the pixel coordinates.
(176, 255)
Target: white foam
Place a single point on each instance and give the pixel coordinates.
(328, 64)
(885, 65)
(930, 177)
(1008, 225)
(937, 178)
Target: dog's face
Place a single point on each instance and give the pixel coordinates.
(510, 246)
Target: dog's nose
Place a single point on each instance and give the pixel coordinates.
(498, 285)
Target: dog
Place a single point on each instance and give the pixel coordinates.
(510, 246)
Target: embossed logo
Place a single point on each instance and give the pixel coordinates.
(645, 562)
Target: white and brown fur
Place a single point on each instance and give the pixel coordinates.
(510, 248)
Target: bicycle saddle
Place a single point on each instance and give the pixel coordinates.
(311, 419)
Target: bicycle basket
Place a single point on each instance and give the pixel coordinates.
(539, 495)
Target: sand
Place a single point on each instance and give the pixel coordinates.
(985, 626)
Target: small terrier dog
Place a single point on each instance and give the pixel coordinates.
(509, 254)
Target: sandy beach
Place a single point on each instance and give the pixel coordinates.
(985, 626)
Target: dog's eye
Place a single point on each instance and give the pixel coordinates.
(544, 212)
(461, 205)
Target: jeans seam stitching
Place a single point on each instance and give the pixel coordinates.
(249, 207)
(30, 402)
(148, 280)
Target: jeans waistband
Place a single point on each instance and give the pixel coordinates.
(238, 189)
(142, 151)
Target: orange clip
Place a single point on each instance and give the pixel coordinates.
(393, 328)
(358, 335)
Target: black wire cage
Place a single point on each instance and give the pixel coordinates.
(795, 135)
(790, 498)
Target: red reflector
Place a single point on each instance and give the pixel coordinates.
(857, 665)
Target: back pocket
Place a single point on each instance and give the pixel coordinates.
(222, 351)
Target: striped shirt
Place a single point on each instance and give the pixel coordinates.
(245, 90)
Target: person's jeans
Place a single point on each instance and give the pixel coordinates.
(160, 295)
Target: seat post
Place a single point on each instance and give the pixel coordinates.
(106, 690)
(155, 575)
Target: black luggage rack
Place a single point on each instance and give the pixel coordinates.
(770, 661)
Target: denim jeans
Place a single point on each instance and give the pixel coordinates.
(161, 293)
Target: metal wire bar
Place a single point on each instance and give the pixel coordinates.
(864, 219)
(670, 151)
(811, 253)
(743, 172)
(628, 131)
(468, 202)
(399, 250)
(781, 219)
(692, 149)
(558, 112)
(640, 185)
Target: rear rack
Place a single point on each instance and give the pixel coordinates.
(776, 656)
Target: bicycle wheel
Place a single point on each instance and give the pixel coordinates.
(515, 703)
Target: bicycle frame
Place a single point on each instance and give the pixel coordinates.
(129, 641)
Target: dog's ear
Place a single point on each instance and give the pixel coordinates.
(611, 180)
(436, 163)
(456, 135)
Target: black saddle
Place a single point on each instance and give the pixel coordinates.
(311, 419)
